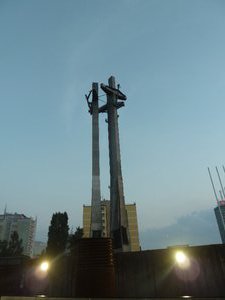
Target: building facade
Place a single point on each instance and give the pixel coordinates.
(220, 218)
(38, 248)
(105, 213)
(24, 226)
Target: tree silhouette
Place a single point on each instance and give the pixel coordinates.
(78, 234)
(13, 248)
(3, 248)
(15, 245)
(57, 234)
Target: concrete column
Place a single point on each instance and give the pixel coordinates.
(118, 216)
(96, 221)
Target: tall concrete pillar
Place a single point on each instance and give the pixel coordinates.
(118, 217)
(96, 221)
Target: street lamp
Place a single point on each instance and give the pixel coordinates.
(44, 266)
(182, 259)
(41, 270)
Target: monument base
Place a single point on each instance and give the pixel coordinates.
(95, 275)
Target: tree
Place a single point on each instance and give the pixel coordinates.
(78, 234)
(13, 248)
(57, 234)
(3, 248)
(15, 245)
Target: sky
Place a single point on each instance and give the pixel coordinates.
(167, 56)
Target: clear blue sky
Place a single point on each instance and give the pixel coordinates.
(169, 58)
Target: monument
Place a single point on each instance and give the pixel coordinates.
(96, 221)
(118, 215)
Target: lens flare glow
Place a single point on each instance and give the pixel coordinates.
(44, 266)
(180, 257)
(182, 260)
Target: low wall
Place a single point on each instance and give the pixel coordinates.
(154, 273)
(41, 298)
(145, 274)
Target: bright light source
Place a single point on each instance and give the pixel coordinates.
(44, 266)
(182, 259)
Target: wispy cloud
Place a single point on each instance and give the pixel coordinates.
(197, 228)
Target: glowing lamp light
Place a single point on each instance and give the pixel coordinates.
(44, 266)
(182, 259)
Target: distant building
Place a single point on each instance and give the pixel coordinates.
(105, 209)
(38, 248)
(24, 226)
(220, 217)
